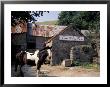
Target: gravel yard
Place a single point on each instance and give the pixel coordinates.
(56, 71)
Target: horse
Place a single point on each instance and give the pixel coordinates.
(33, 56)
(21, 59)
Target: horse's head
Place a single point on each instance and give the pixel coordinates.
(23, 52)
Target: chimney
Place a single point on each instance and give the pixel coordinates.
(29, 28)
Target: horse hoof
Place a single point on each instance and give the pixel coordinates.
(38, 73)
(15, 70)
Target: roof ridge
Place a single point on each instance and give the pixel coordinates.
(64, 30)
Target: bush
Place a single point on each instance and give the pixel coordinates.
(91, 66)
(86, 65)
(76, 63)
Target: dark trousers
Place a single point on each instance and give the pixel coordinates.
(41, 61)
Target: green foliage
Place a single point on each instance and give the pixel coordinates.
(81, 19)
(86, 65)
(85, 49)
(76, 63)
(91, 66)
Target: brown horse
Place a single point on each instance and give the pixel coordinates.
(21, 60)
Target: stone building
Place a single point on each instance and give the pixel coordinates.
(63, 42)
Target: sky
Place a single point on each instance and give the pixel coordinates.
(52, 15)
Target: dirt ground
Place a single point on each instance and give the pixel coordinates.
(56, 71)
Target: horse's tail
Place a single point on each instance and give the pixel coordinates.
(17, 61)
(16, 64)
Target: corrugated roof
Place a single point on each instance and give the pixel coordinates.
(20, 28)
(40, 30)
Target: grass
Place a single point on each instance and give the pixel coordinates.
(91, 66)
(54, 22)
(87, 65)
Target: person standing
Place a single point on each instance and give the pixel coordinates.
(42, 55)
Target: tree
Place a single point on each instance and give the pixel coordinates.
(24, 16)
(81, 19)
(89, 20)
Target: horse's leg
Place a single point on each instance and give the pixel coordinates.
(16, 67)
(38, 72)
(39, 63)
(21, 72)
(16, 64)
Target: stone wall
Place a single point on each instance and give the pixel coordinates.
(18, 43)
(61, 49)
(40, 40)
(18, 38)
